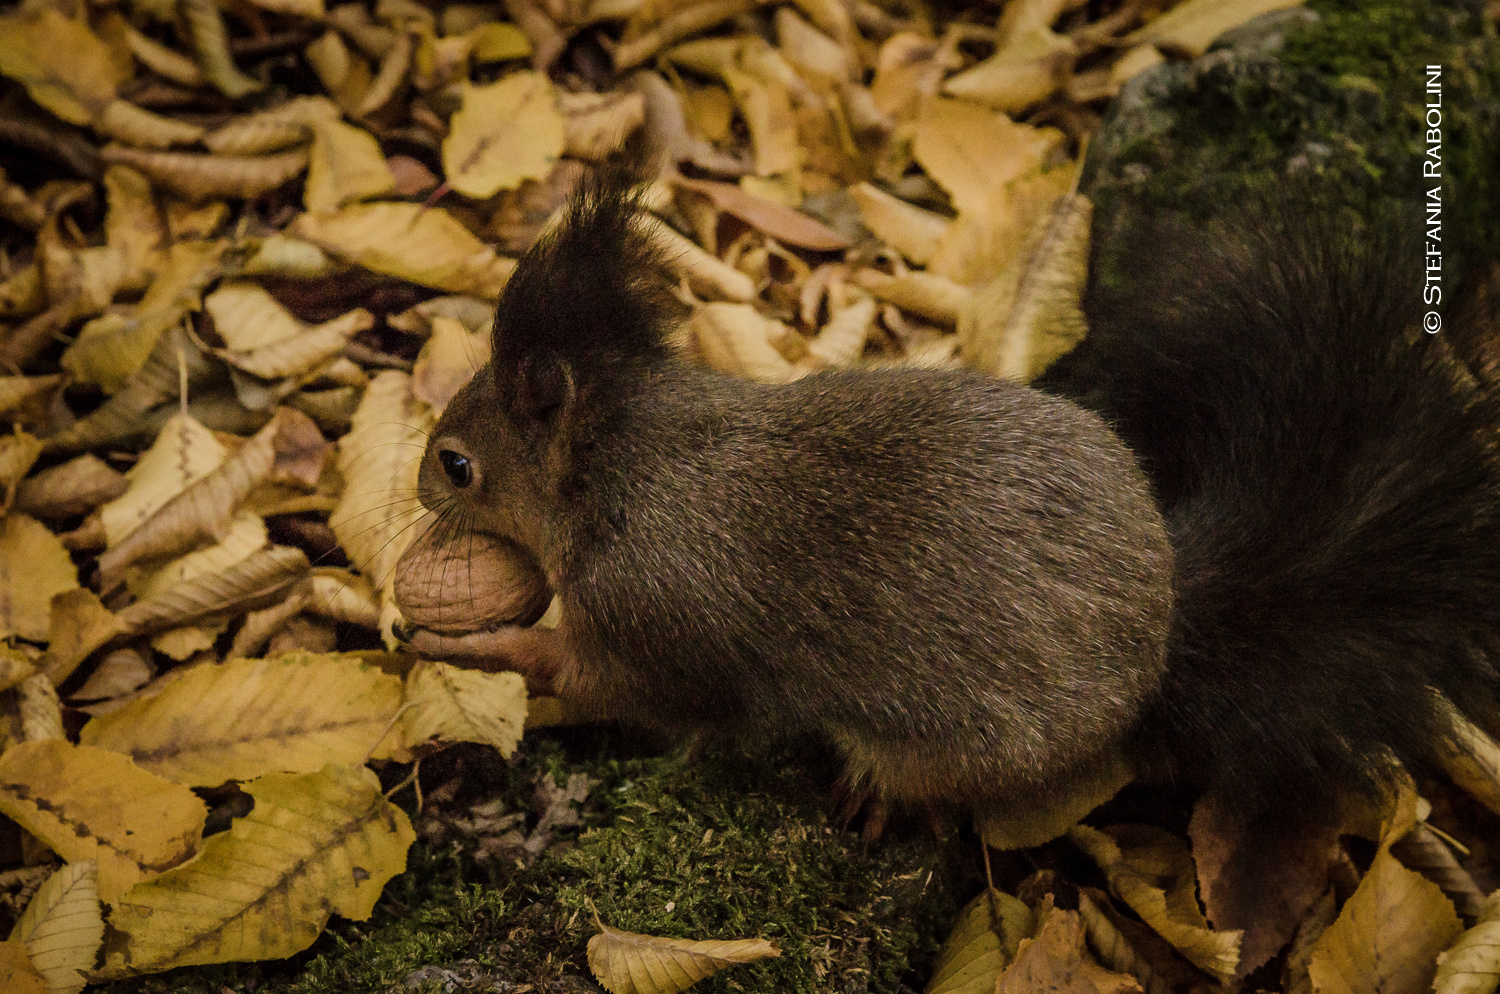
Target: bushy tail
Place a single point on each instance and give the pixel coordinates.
(1330, 483)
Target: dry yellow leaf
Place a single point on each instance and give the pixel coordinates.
(15, 666)
(201, 512)
(426, 246)
(110, 354)
(278, 255)
(344, 165)
(1030, 67)
(22, 295)
(248, 717)
(979, 947)
(17, 975)
(124, 121)
(301, 354)
(630, 963)
(210, 40)
(1472, 964)
(91, 804)
(924, 294)
(208, 177)
(63, 65)
(1030, 315)
(312, 9)
(272, 130)
(340, 595)
(392, 74)
(969, 149)
(244, 535)
(1152, 871)
(1192, 26)
(378, 459)
(497, 41)
(18, 453)
(255, 581)
(246, 317)
(503, 133)
(183, 453)
(79, 623)
(38, 711)
(910, 230)
(448, 704)
(63, 928)
(1116, 950)
(1022, 825)
(783, 223)
(1055, 960)
(132, 226)
(165, 62)
(119, 673)
(449, 360)
(33, 566)
(17, 390)
(1388, 935)
(1472, 759)
(315, 845)
(737, 339)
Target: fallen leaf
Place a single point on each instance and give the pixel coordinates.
(969, 149)
(344, 165)
(1152, 871)
(184, 452)
(1030, 315)
(450, 359)
(62, 927)
(980, 945)
(1388, 935)
(448, 704)
(1190, 27)
(247, 717)
(315, 844)
(379, 458)
(17, 975)
(910, 230)
(630, 963)
(1472, 964)
(1056, 960)
(63, 65)
(777, 220)
(90, 804)
(252, 582)
(206, 177)
(428, 247)
(33, 567)
(503, 133)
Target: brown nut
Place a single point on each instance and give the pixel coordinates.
(467, 582)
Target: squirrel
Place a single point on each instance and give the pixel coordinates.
(1248, 534)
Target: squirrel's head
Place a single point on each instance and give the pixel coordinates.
(579, 326)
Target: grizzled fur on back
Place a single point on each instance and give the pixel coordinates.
(1327, 480)
(963, 582)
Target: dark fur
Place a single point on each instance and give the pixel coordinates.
(965, 583)
(1326, 474)
(962, 582)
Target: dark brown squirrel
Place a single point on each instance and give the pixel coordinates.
(967, 585)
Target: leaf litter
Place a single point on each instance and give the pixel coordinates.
(225, 344)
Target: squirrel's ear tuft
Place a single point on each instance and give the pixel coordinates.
(592, 293)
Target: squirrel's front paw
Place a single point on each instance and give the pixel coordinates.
(530, 652)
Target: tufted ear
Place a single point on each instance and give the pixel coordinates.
(586, 305)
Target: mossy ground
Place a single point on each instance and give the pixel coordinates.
(720, 846)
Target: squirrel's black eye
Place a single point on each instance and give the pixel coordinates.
(457, 468)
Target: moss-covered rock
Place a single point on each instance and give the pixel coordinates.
(1336, 90)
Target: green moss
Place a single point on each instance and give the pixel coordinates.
(1343, 97)
(723, 847)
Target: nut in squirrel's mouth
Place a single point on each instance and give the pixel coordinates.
(454, 584)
